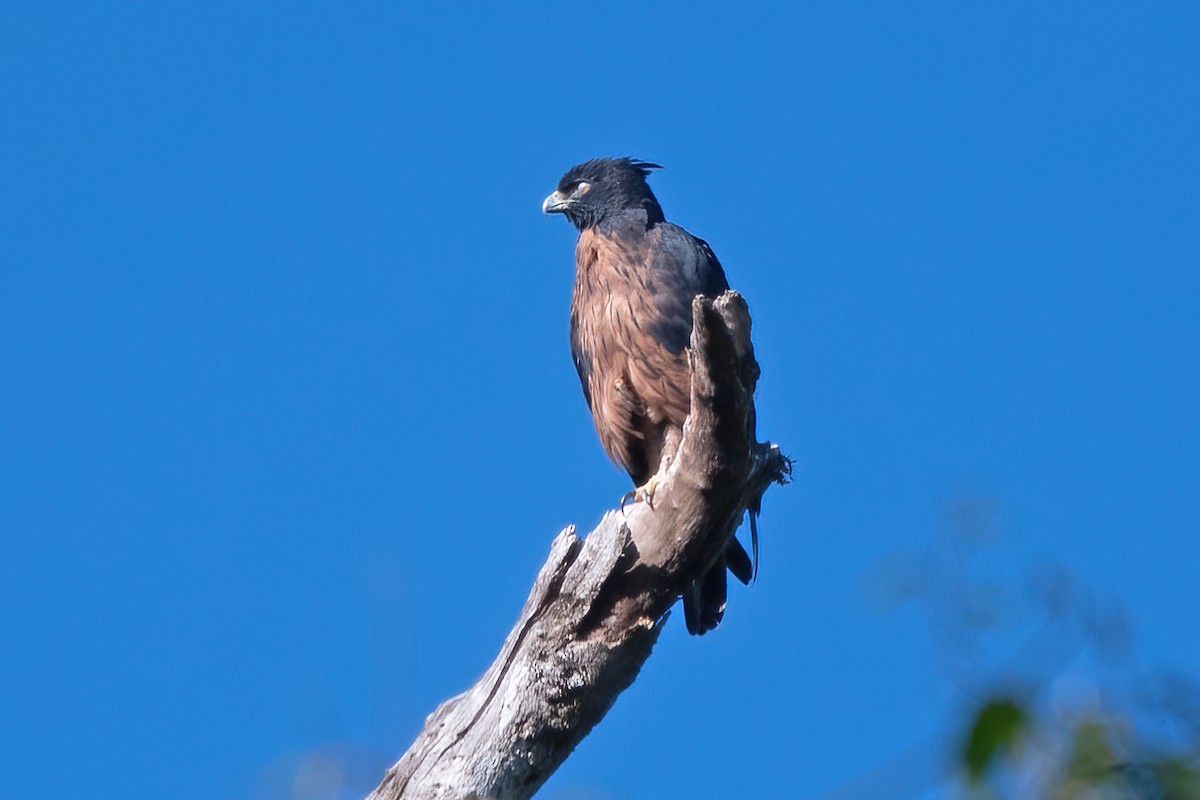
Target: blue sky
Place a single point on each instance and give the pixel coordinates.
(289, 418)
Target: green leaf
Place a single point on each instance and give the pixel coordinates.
(1180, 780)
(996, 728)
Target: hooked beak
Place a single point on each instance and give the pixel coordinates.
(555, 204)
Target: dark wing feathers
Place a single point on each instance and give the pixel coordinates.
(583, 363)
(682, 267)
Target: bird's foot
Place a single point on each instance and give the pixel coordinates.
(643, 493)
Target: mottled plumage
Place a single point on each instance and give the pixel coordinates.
(631, 321)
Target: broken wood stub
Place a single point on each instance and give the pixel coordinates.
(598, 605)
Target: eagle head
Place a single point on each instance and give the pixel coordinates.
(595, 190)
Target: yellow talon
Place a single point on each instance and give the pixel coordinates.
(645, 492)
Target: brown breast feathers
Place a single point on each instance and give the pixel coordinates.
(636, 387)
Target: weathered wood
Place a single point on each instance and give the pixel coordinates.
(598, 605)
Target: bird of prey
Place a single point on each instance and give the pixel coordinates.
(631, 320)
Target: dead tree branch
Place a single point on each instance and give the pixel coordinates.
(598, 604)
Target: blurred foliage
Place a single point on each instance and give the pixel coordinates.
(997, 727)
(1057, 706)
(1100, 761)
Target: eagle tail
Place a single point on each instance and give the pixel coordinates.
(704, 599)
(738, 562)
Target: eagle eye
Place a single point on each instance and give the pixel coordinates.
(581, 188)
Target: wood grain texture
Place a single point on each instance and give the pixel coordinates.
(598, 605)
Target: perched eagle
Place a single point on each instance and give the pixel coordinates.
(631, 320)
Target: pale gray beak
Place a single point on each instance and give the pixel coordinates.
(554, 204)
